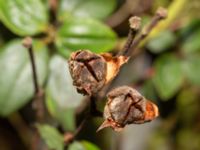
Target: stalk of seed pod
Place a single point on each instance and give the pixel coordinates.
(90, 71)
(127, 106)
(161, 14)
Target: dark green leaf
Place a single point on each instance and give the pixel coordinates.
(187, 106)
(192, 44)
(16, 75)
(86, 8)
(80, 33)
(168, 76)
(148, 90)
(191, 68)
(62, 96)
(162, 42)
(24, 17)
(51, 136)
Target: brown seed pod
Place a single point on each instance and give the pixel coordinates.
(90, 71)
(127, 106)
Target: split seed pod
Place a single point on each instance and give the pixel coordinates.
(127, 106)
(90, 71)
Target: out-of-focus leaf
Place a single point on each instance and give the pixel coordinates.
(191, 9)
(192, 44)
(189, 29)
(187, 106)
(51, 136)
(148, 90)
(175, 8)
(62, 97)
(89, 146)
(76, 146)
(86, 8)
(168, 76)
(191, 67)
(83, 145)
(188, 139)
(159, 141)
(158, 3)
(79, 33)
(16, 75)
(162, 42)
(24, 17)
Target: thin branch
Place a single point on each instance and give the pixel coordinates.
(160, 15)
(21, 128)
(119, 16)
(134, 23)
(128, 8)
(53, 10)
(27, 42)
(39, 93)
(69, 137)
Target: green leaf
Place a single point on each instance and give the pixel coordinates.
(168, 76)
(89, 146)
(191, 67)
(162, 42)
(79, 33)
(148, 90)
(99, 9)
(83, 145)
(76, 146)
(62, 96)
(51, 136)
(16, 75)
(24, 17)
(192, 44)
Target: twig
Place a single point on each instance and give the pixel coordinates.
(128, 8)
(118, 17)
(134, 23)
(53, 10)
(21, 128)
(160, 14)
(27, 42)
(69, 137)
(39, 93)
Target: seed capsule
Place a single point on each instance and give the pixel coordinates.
(127, 106)
(90, 71)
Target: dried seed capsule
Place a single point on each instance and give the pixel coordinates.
(91, 71)
(127, 106)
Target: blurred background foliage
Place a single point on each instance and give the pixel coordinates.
(166, 69)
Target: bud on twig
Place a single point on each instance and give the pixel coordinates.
(127, 106)
(90, 72)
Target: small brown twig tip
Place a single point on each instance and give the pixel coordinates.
(162, 12)
(27, 42)
(135, 22)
